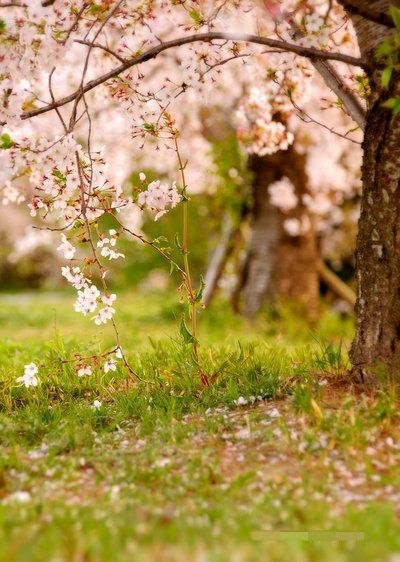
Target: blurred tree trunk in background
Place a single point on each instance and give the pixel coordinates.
(278, 266)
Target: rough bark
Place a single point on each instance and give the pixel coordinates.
(376, 348)
(279, 267)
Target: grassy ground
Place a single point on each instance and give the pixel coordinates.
(278, 460)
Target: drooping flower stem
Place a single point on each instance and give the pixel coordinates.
(95, 257)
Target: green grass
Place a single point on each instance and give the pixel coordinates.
(277, 447)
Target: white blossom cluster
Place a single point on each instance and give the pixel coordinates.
(282, 194)
(260, 136)
(317, 32)
(110, 364)
(89, 296)
(107, 245)
(297, 226)
(263, 115)
(75, 277)
(88, 300)
(159, 197)
(29, 378)
(66, 248)
(10, 194)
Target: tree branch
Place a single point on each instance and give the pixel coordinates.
(336, 284)
(308, 52)
(350, 101)
(15, 4)
(335, 82)
(370, 14)
(100, 46)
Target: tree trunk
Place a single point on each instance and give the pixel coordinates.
(376, 348)
(279, 267)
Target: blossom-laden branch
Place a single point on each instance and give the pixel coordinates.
(335, 82)
(350, 101)
(353, 6)
(308, 52)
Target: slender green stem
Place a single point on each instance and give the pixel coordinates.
(186, 266)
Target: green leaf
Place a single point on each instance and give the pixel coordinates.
(200, 290)
(159, 240)
(59, 175)
(3, 26)
(384, 49)
(149, 127)
(6, 141)
(196, 17)
(95, 8)
(78, 224)
(177, 243)
(186, 335)
(393, 104)
(395, 13)
(386, 76)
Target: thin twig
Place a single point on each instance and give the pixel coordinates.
(103, 47)
(335, 82)
(307, 118)
(86, 64)
(53, 100)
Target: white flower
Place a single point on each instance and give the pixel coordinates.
(114, 492)
(67, 248)
(142, 176)
(110, 365)
(108, 300)
(75, 277)
(104, 315)
(106, 245)
(96, 405)
(29, 377)
(85, 370)
(158, 197)
(109, 253)
(297, 227)
(161, 463)
(282, 194)
(87, 300)
(11, 194)
(292, 227)
(118, 353)
(20, 496)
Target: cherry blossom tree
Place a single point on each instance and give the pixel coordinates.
(79, 77)
(298, 184)
(297, 195)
